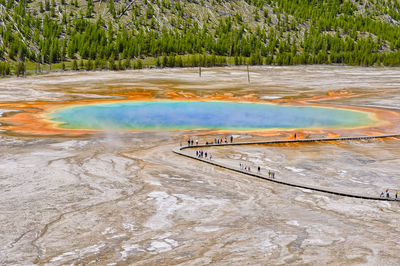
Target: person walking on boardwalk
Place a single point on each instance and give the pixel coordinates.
(397, 193)
(197, 142)
(258, 169)
(188, 142)
(269, 173)
(387, 193)
(382, 195)
(231, 138)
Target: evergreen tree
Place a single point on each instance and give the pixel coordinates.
(127, 63)
(120, 66)
(75, 65)
(89, 8)
(111, 8)
(111, 62)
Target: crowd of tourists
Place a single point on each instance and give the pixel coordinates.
(203, 155)
(387, 193)
(222, 140)
(190, 142)
(247, 168)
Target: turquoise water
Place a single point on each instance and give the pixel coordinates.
(169, 115)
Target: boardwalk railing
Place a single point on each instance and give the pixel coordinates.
(179, 151)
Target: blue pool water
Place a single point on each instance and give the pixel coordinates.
(170, 115)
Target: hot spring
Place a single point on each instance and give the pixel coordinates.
(177, 115)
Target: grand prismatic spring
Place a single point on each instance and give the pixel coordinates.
(88, 176)
(164, 115)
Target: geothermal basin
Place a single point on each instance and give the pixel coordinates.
(81, 184)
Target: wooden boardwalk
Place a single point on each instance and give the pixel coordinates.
(179, 151)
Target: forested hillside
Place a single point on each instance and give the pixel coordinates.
(110, 34)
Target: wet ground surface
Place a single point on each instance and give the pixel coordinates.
(125, 198)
